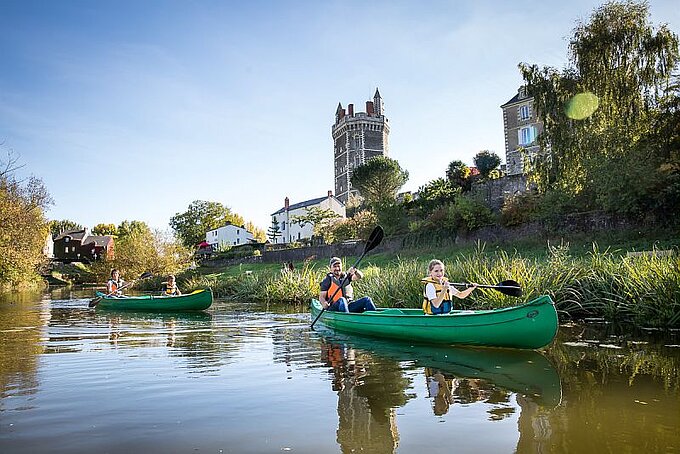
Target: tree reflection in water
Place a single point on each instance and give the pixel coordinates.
(369, 390)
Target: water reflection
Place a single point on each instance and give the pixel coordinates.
(374, 378)
(369, 390)
(69, 376)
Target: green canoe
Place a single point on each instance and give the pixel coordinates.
(195, 301)
(531, 325)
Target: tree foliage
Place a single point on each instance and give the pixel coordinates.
(274, 230)
(143, 250)
(319, 218)
(105, 229)
(23, 227)
(359, 226)
(486, 162)
(379, 180)
(200, 217)
(619, 57)
(458, 175)
(436, 193)
(64, 225)
(127, 228)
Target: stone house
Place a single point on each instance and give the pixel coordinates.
(522, 128)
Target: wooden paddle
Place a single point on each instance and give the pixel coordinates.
(373, 240)
(96, 300)
(508, 287)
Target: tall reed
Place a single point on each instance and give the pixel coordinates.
(643, 289)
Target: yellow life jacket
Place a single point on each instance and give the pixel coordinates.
(445, 306)
(170, 290)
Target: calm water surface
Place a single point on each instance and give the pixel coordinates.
(247, 379)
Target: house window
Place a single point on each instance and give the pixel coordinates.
(66, 239)
(524, 113)
(527, 135)
(283, 225)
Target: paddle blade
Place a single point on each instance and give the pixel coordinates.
(94, 302)
(374, 239)
(510, 287)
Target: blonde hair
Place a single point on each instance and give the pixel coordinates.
(434, 263)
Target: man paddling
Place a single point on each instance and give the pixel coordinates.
(337, 292)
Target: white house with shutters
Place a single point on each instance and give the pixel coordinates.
(289, 231)
(228, 235)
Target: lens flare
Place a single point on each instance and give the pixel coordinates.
(581, 106)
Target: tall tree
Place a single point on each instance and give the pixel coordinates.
(127, 228)
(379, 180)
(620, 66)
(458, 175)
(486, 162)
(105, 229)
(23, 227)
(200, 217)
(274, 231)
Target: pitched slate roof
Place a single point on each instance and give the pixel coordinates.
(74, 234)
(85, 238)
(306, 203)
(98, 240)
(517, 98)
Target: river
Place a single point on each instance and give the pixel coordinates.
(247, 379)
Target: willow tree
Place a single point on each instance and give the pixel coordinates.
(598, 110)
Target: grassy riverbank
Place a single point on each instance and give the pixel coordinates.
(584, 279)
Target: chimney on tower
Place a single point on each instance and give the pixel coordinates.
(330, 194)
(286, 203)
(369, 108)
(350, 110)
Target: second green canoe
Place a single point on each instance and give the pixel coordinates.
(195, 301)
(532, 325)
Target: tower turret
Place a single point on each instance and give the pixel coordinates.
(377, 103)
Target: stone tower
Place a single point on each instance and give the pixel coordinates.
(357, 137)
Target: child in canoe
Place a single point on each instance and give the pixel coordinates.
(438, 291)
(115, 285)
(170, 287)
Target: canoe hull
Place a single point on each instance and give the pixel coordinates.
(530, 326)
(196, 301)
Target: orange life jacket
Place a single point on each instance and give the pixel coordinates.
(335, 285)
(114, 285)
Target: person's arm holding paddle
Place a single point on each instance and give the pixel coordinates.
(462, 293)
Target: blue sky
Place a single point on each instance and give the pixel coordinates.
(133, 109)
